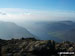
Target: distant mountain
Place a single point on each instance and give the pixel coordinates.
(10, 30)
(58, 31)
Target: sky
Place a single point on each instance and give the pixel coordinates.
(37, 10)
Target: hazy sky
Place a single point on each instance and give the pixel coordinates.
(23, 10)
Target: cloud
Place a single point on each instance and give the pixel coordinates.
(18, 14)
(1, 13)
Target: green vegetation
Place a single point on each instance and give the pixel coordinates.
(57, 34)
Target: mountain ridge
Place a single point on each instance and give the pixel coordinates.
(10, 30)
(44, 30)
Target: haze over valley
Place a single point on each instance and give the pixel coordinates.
(37, 27)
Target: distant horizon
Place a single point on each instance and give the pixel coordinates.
(37, 10)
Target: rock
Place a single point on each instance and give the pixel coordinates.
(33, 47)
(71, 49)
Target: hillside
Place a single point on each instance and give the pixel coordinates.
(57, 30)
(10, 30)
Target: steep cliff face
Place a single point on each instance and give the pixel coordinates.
(33, 47)
(9, 30)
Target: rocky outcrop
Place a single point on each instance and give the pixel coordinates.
(66, 46)
(33, 47)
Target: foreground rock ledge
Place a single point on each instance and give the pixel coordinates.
(33, 47)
